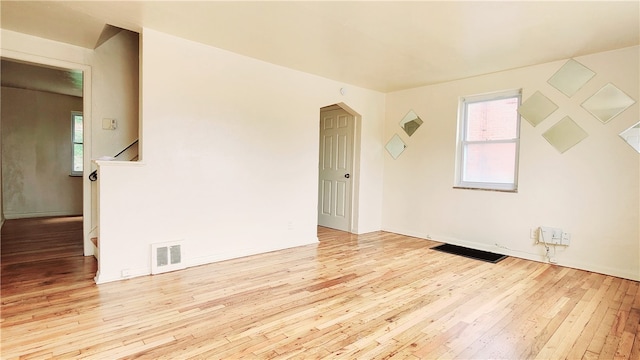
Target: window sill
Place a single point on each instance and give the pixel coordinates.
(485, 189)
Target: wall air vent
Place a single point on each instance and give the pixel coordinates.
(166, 257)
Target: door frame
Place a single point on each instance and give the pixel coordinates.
(86, 125)
(355, 161)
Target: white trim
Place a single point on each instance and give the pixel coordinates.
(205, 260)
(86, 110)
(73, 142)
(356, 144)
(100, 279)
(461, 142)
(235, 254)
(12, 216)
(521, 254)
(118, 163)
(495, 95)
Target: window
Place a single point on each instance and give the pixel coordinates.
(488, 141)
(77, 157)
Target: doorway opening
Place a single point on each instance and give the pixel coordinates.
(338, 168)
(40, 177)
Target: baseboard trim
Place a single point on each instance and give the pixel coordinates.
(496, 248)
(203, 260)
(134, 273)
(13, 216)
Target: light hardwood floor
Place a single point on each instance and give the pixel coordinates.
(379, 295)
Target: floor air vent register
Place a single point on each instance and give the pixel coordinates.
(166, 257)
(470, 253)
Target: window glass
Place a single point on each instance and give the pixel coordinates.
(492, 120)
(492, 163)
(488, 141)
(77, 129)
(77, 146)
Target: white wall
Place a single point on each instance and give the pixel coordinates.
(36, 154)
(590, 191)
(115, 95)
(230, 161)
(230, 158)
(113, 64)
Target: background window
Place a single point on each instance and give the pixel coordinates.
(488, 141)
(76, 144)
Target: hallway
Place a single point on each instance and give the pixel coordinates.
(36, 250)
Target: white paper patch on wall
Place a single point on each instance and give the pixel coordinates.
(166, 257)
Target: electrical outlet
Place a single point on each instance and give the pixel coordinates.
(125, 273)
(551, 236)
(533, 233)
(554, 236)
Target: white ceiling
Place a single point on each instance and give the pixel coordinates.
(384, 46)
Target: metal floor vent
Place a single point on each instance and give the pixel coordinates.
(166, 257)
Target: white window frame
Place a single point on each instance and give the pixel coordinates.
(462, 142)
(73, 142)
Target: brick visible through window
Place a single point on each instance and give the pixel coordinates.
(488, 141)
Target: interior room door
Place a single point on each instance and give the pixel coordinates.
(336, 166)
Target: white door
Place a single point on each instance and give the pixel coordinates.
(336, 162)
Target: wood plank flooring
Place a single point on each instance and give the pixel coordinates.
(373, 296)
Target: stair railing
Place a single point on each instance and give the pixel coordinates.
(94, 174)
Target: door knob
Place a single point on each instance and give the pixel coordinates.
(347, 176)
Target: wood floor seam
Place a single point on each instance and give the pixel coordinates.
(373, 296)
